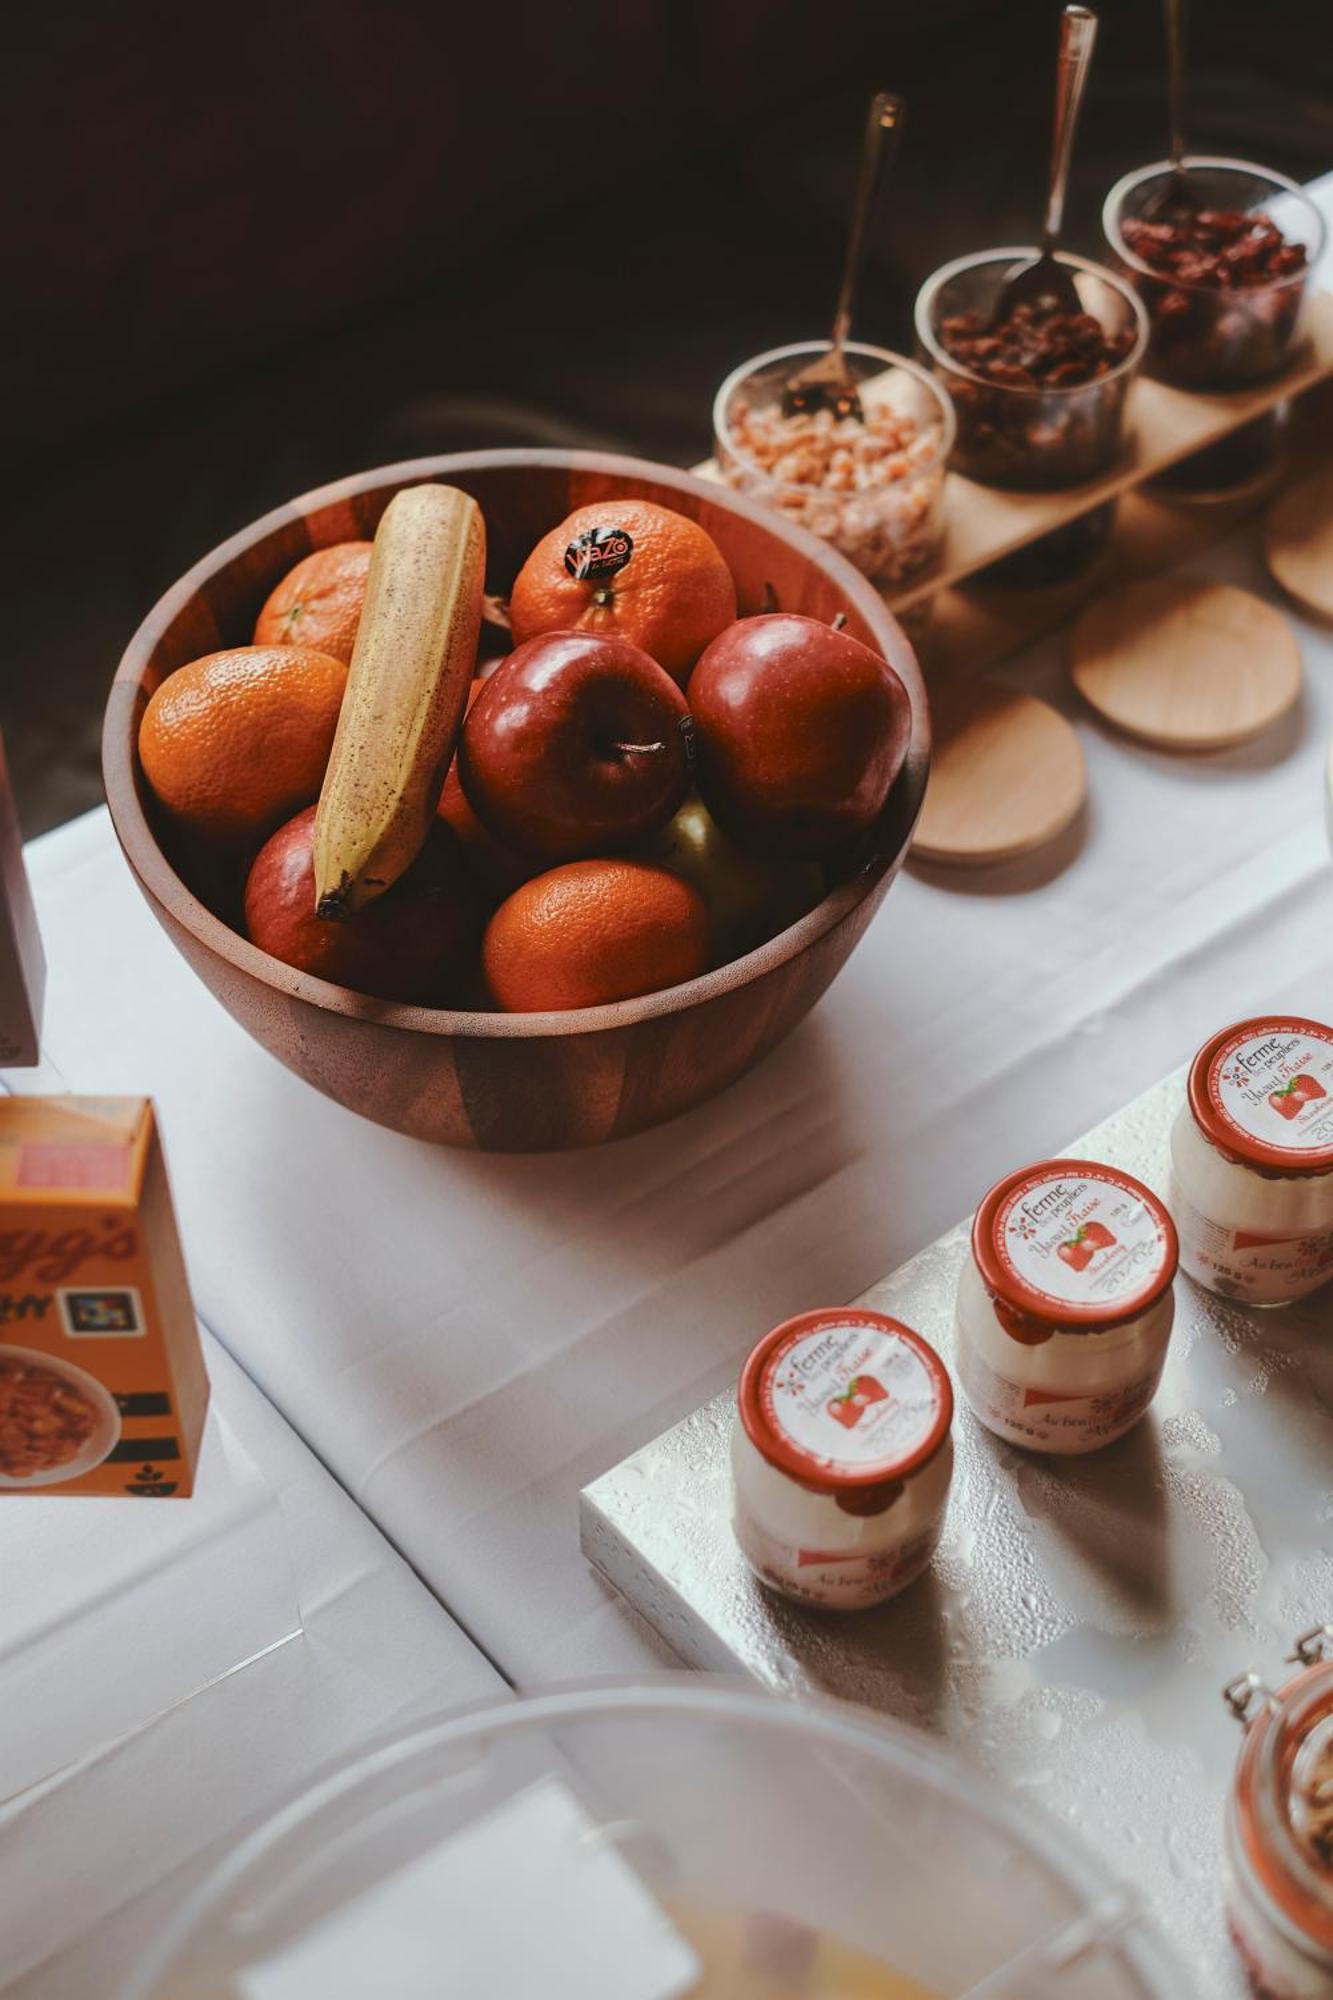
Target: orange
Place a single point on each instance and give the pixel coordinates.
(319, 602)
(236, 742)
(591, 932)
(673, 595)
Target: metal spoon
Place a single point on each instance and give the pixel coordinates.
(1174, 191)
(1042, 280)
(825, 384)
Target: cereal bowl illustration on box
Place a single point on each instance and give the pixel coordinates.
(56, 1420)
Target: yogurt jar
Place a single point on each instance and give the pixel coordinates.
(1279, 1828)
(1252, 1161)
(841, 1457)
(1065, 1305)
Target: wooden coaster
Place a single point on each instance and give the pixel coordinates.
(1298, 541)
(1188, 666)
(1006, 776)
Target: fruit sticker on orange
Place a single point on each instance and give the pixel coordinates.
(598, 552)
(102, 1381)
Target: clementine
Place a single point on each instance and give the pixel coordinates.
(235, 742)
(591, 932)
(633, 568)
(319, 602)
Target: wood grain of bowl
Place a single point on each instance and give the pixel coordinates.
(504, 1082)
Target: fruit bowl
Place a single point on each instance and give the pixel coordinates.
(494, 1081)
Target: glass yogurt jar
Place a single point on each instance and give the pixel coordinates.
(1065, 1305)
(1279, 1827)
(1252, 1161)
(841, 1457)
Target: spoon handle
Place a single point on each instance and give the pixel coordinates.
(1078, 34)
(1177, 31)
(884, 125)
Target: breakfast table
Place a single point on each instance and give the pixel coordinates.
(434, 1350)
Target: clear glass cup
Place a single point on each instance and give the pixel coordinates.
(875, 492)
(796, 1846)
(1202, 335)
(1031, 437)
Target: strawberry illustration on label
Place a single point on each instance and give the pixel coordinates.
(1288, 1098)
(851, 1403)
(1078, 1250)
(1309, 1087)
(1098, 1235)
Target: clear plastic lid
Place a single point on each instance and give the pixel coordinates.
(686, 1838)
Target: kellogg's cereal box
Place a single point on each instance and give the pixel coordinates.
(102, 1381)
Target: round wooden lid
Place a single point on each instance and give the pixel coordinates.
(1298, 541)
(1006, 776)
(1186, 665)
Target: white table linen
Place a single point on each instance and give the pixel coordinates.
(466, 1340)
(93, 1861)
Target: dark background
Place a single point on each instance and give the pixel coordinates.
(250, 249)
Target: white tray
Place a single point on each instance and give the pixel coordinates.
(1081, 1616)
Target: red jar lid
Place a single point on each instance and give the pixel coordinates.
(1074, 1245)
(845, 1400)
(1262, 1093)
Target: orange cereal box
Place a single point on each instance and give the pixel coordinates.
(102, 1381)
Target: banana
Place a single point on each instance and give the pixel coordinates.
(406, 693)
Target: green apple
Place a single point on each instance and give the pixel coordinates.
(748, 900)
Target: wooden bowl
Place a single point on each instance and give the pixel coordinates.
(504, 1082)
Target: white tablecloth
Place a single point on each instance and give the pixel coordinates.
(92, 1862)
(467, 1340)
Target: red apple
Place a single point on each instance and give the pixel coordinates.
(418, 941)
(801, 731)
(577, 745)
(497, 870)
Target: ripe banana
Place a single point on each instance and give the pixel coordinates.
(406, 692)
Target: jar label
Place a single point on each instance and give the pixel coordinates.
(1263, 1267)
(847, 1579)
(1275, 1084)
(1081, 1239)
(850, 1398)
(1049, 1419)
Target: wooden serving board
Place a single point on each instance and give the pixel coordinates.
(971, 626)
(1163, 425)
